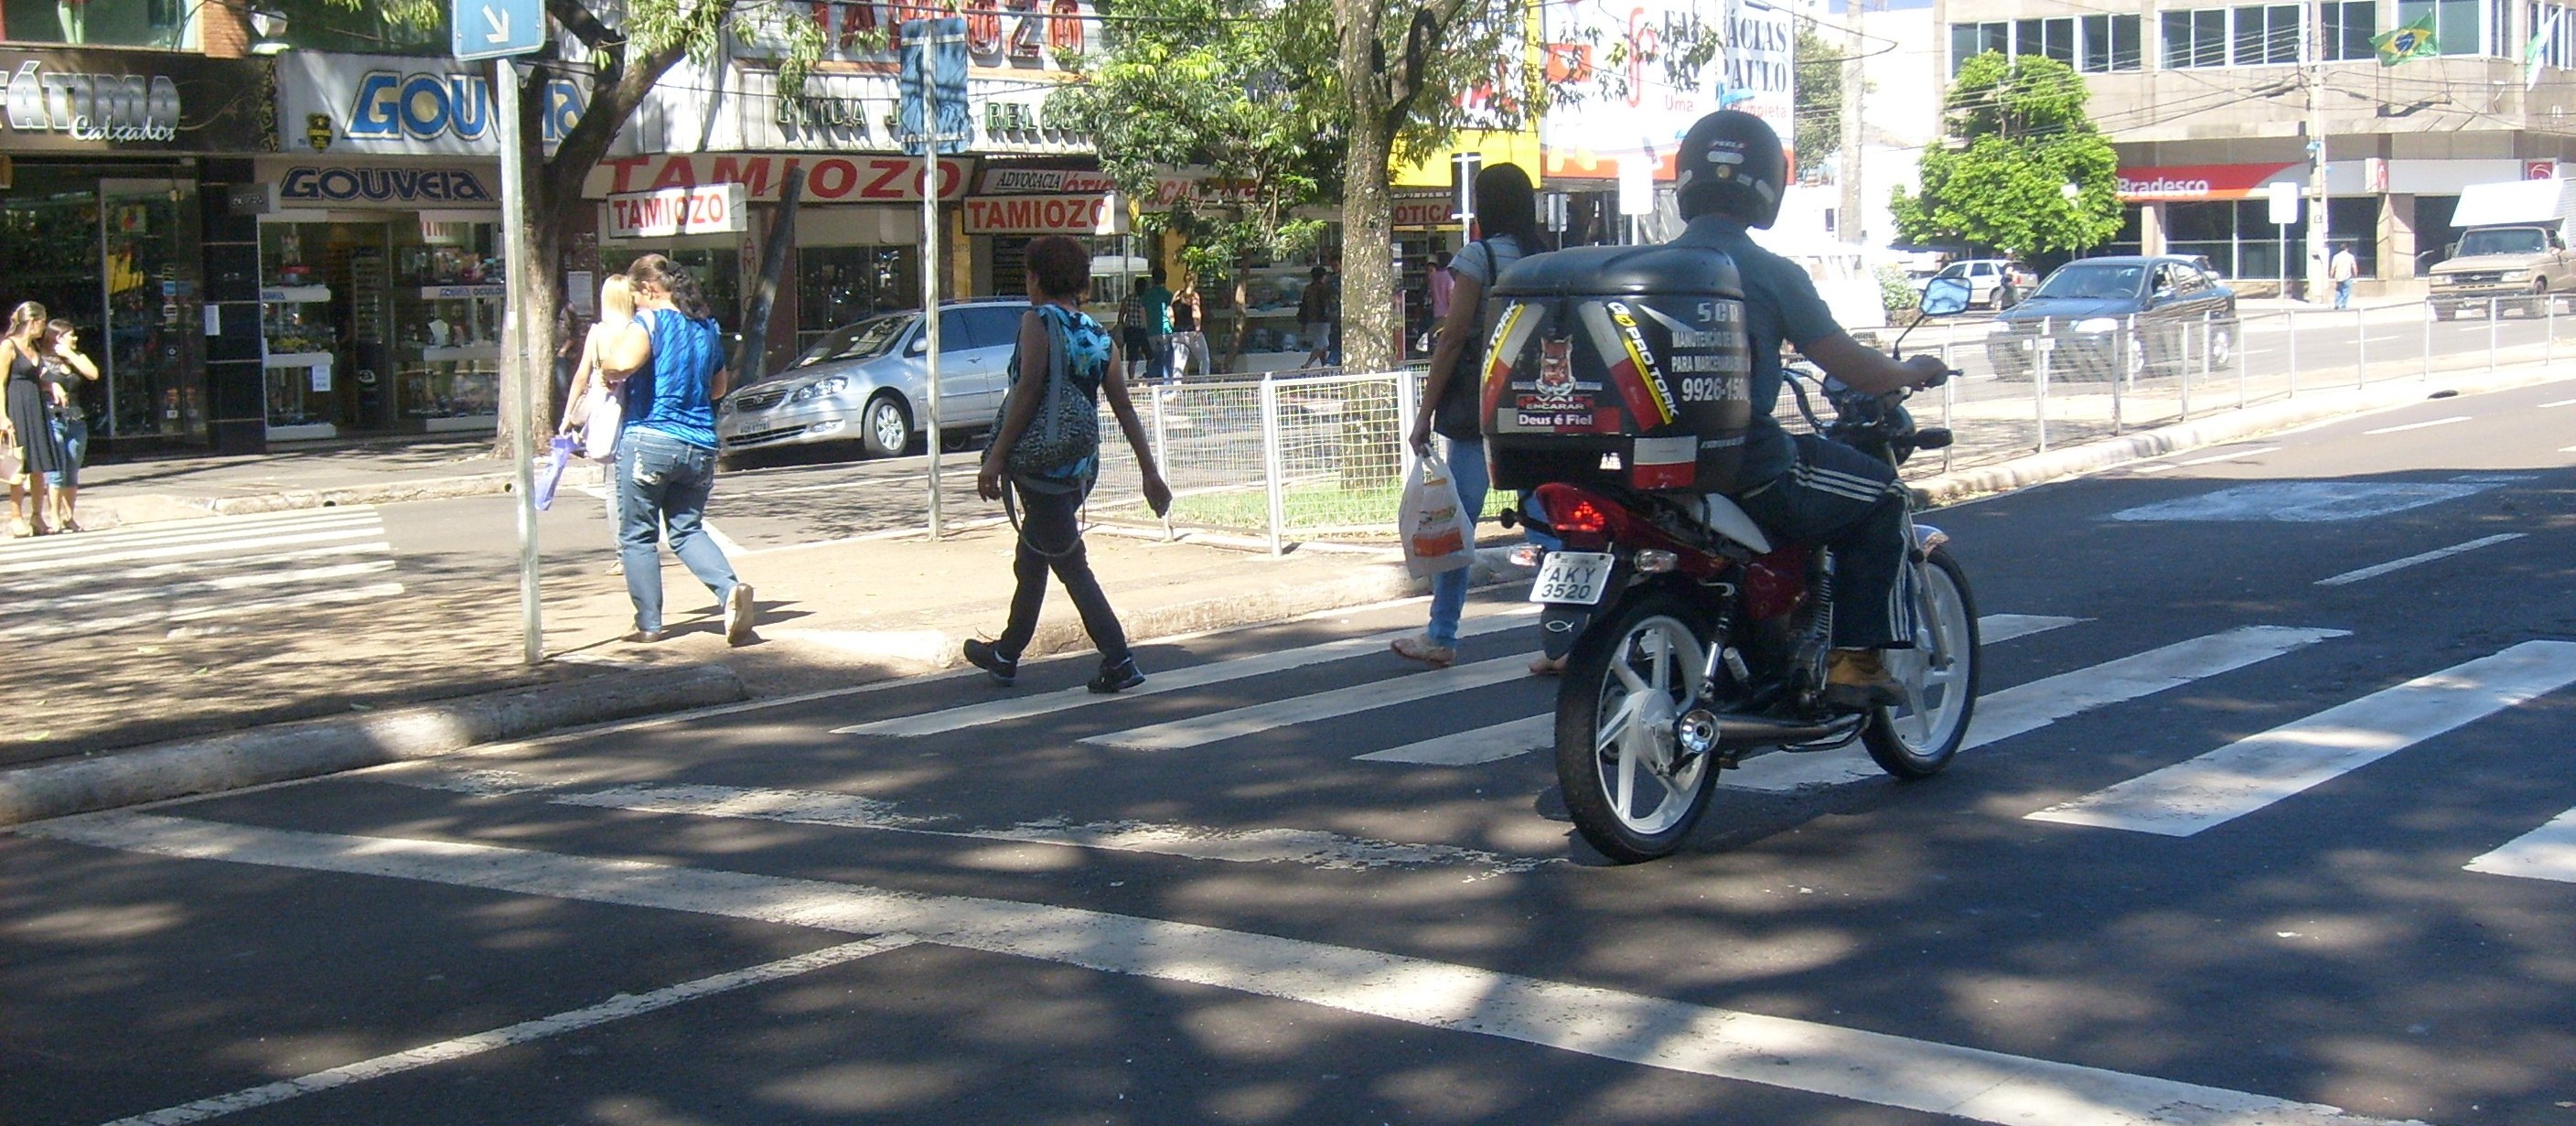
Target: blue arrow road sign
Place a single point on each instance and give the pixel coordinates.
(491, 29)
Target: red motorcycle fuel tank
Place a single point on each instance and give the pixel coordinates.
(1625, 365)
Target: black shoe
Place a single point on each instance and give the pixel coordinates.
(1117, 677)
(1005, 671)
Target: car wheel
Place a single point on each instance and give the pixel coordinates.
(885, 427)
(2220, 345)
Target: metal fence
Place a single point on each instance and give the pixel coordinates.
(1299, 455)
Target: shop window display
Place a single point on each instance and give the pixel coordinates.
(299, 335)
(449, 291)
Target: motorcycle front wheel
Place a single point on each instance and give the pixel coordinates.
(1917, 738)
(1633, 793)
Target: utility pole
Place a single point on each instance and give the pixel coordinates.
(2316, 79)
(1847, 222)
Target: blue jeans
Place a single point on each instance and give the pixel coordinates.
(72, 434)
(1449, 588)
(1158, 357)
(2343, 294)
(662, 483)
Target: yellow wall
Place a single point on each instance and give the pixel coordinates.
(1519, 148)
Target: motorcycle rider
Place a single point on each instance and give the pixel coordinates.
(1807, 489)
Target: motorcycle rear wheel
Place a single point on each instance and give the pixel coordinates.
(1625, 684)
(1918, 738)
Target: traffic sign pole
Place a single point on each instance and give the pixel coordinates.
(930, 268)
(516, 371)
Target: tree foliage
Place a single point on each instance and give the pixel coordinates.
(2020, 135)
(1819, 108)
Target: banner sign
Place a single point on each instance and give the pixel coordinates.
(711, 210)
(2203, 181)
(828, 179)
(1043, 181)
(100, 101)
(1045, 215)
(1639, 90)
(433, 188)
(389, 104)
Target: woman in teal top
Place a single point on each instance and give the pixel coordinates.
(666, 454)
(1050, 500)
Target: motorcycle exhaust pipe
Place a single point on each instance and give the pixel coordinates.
(1745, 732)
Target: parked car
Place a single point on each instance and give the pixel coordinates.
(1985, 278)
(2503, 269)
(2118, 316)
(869, 382)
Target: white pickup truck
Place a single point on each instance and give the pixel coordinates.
(2512, 254)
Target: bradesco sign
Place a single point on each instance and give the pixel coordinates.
(2201, 181)
(712, 210)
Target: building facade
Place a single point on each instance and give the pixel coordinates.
(2209, 107)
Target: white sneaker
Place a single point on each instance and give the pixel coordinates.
(739, 612)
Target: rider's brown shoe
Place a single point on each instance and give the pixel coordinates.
(1856, 680)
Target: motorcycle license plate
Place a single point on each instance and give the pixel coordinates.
(1576, 578)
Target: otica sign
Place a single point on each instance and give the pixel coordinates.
(381, 104)
(110, 101)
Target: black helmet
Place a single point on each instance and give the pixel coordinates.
(1731, 163)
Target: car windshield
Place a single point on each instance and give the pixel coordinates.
(2094, 282)
(2518, 240)
(874, 337)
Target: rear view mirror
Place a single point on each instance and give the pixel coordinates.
(1945, 297)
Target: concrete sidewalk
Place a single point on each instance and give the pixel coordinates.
(183, 488)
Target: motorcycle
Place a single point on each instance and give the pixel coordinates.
(1692, 639)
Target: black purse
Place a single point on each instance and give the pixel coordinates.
(1067, 426)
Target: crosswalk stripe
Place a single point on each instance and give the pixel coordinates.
(328, 597)
(217, 530)
(2245, 776)
(366, 530)
(1993, 628)
(2545, 853)
(1781, 1052)
(2028, 707)
(74, 603)
(92, 579)
(1467, 748)
(1195, 676)
(1200, 730)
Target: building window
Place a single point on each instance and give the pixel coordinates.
(2555, 27)
(2110, 43)
(2460, 27)
(166, 24)
(2094, 44)
(2195, 39)
(2266, 35)
(2250, 36)
(2345, 29)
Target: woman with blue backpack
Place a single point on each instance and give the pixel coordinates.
(1046, 450)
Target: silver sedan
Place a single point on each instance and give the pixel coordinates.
(869, 383)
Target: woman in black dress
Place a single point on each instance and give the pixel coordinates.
(22, 355)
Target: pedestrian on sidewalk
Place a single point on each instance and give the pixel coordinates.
(2342, 270)
(66, 368)
(1314, 312)
(1507, 212)
(1131, 329)
(1189, 339)
(593, 403)
(672, 358)
(1050, 498)
(22, 357)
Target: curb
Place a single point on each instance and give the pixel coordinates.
(327, 746)
(2034, 469)
(440, 488)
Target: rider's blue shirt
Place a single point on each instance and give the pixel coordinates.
(1780, 305)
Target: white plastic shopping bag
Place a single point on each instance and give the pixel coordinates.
(1437, 534)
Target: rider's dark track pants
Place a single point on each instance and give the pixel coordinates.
(1851, 502)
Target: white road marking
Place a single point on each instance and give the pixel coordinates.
(1314, 849)
(1792, 1054)
(2545, 853)
(1994, 628)
(723, 542)
(2307, 501)
(2025, 708)
(2559, 403)
(1537, 733)
(2152, 467)
(524, 1032)
(209, 530)
(2411, 560)
(1232, 723)
(1195, 676)
(368, 593)
(2245, 776)
(2216, 458)
(2419, 425)
(366, 530)
(76, 602)
(1467, 748)
(90, 580)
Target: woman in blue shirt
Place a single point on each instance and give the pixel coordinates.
(666, 453)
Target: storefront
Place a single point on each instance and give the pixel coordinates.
(2394, 214)
(102, 188)
(381, 277)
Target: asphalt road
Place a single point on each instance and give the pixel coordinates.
(2259, 825)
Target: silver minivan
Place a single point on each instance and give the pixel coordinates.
(869, 383)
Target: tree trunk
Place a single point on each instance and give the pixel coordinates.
(1368, 235)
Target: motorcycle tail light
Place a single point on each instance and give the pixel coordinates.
(1583, 518)
(1655, 560)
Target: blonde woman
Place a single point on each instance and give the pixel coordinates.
(66, 368)
(23, 356)
(596, 403)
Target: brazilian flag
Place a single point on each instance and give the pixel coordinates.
(2413, 41)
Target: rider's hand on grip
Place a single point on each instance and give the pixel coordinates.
(1929, 371)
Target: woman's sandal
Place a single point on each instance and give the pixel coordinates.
(1544, 665)
(1421, 649)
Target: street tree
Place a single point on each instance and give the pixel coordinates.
(1818, 138)
(1182, 84)
(2018, 137)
